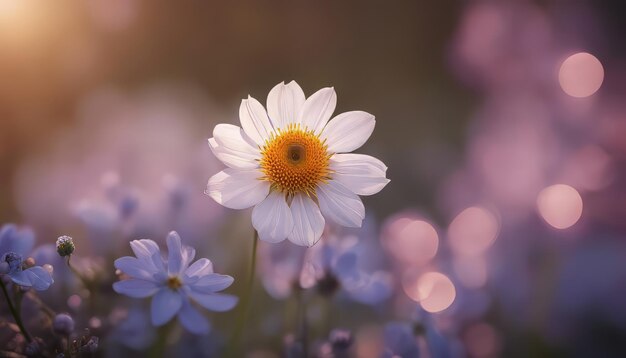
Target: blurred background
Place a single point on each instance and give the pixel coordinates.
(503, 126)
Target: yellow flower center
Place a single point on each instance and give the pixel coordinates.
(295, 160)
(174, 282)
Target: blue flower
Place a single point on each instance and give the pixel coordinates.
(174, 283)
(14, 245)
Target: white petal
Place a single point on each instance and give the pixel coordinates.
(340, 204)
(193, 320)
(254, 120)
(348, 131)
(135, 288)
(272, 218)
(362, 174)
(165, 305)
(200, 268)
(233, 147)
(284, 103)
(318, 108)
(308, 222)
(238, 189)
(219, 302)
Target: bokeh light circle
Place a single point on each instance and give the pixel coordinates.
(581, 75)
(433, 290)
(411, 241)
(473, 231)
(560, 206)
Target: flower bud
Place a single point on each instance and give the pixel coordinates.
(63, 324)
(65, 246)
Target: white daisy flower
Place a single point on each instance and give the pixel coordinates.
(292, 163)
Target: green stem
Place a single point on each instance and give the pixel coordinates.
(68, 350)
(304, 327)
(245, 302)
(160, 345)
(328, 308)
(15, 313)
(87, 284)
(75, 272)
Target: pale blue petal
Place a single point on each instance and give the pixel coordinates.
(212, 283)
(193, 320)
(174, 255)
(165, 305)
(200, 268)
(39, 278)
(188, 253)
(214, 301)
(136, 288)
(135, 268)
(20, 278)
(148, 252)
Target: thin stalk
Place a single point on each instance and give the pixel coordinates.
(68, 347)
(15, 313)
(304, 327)
(82, 279)
(245, 302)
(159, 347)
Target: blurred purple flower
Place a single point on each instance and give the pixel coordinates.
(333, 265)
(15, 244)
(135, 330)
(174, 283)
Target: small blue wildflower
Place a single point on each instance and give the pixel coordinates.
(174, 283)
(14, 245)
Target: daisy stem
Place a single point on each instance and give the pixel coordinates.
(15, 313)
(304, 327)
(245, 302)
